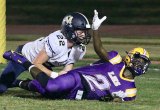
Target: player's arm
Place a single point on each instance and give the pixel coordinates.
(128, 95)
(117, 99)
(41, 58)
(118, 96)
(97, 44)
(66, 69)
(76, 53)
(99, 49)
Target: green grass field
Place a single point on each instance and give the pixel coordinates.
(148, 96)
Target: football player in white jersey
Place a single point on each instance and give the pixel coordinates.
(61, 48)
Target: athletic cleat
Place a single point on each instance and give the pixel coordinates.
(7, 54)
(21, 83)
(14, 56)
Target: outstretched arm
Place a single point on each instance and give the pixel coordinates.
(97, 44)
(99, 49)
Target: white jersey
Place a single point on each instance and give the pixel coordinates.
(56, 48)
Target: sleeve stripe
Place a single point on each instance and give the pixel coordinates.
(116, 59)
(131, 92)
(50, 47)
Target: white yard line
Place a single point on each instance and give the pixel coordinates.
(154, 69)
(157, 79)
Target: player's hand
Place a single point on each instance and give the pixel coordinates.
(117, 99)
(96, 22)
(118, 96)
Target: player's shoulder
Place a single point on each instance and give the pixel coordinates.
(77, 52)
(112, 53)
(57, 35)
(80, 48)
(56, 42)
(56, 38)
(114, 57)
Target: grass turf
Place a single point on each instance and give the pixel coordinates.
(147, 97)
(148, 84)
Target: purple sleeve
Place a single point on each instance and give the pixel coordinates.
(114, 58)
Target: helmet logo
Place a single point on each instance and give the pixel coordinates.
(68, 20)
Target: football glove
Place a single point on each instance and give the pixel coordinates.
(14, 56)
(96, 22)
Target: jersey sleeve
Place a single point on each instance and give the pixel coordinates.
(130, 94)
(77, 53)
(51, 44)
(114, 57)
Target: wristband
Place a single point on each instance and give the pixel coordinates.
(54, 75)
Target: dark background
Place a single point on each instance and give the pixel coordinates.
(51, 12)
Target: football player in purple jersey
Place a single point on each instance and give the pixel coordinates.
(110, 78)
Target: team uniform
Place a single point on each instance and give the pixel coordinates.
(93, 82)
(56, 48)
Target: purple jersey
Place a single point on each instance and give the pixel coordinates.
(92, 82)
(106, 79)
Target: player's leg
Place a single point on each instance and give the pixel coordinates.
(21, 60)
(54, 88)
(30, 85)
(10, 73)
(61, 86)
